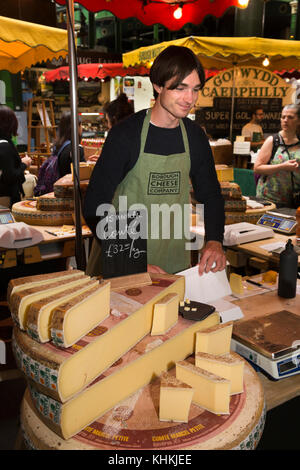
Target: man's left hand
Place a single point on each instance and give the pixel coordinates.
(212, 253)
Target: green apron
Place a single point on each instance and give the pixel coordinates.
(157, 179)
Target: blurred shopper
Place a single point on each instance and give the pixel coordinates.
(117, 110)
(12, 167)
(278, 161)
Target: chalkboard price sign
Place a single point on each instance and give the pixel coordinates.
(124, 244)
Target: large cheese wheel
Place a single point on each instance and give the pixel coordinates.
(48, 202)
(26, 211)
(250, 215)
(134, 424)
(64, 187)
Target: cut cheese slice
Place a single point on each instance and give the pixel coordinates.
(175, 399)
(229, 366)
(20, 301)
(236, 283)
(39, 312)
(78, 316)
(165, 314)
(62, 373)
(15, 285)
(211, 391)
(138, 367)
(215, 340)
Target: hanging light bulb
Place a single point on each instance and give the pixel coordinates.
(243, 3)
(266, 62)
(178, 13)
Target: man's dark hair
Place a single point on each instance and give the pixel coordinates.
(8, 122)
(254, 110)
(175, 62)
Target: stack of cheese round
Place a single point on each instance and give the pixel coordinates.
(64, 187)
(27, 211)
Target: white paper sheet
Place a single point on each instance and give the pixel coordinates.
(209, 288)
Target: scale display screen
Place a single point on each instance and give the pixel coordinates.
(6, 218)
(278, 223)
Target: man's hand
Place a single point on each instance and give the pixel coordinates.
(151, 268)
(212, 253)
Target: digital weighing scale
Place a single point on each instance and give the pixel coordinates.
(6, 216)
(271, 343)
(280, 220)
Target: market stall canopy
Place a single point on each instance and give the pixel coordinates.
(96, 71)
(23, 44)
(223, 52)
(151, 12)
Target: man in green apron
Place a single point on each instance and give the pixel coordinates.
(151, 158)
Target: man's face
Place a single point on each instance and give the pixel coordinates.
(259, 115)
(179, 102)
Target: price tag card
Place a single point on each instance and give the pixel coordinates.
(124, 244)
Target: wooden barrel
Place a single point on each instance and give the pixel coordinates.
(134, 425)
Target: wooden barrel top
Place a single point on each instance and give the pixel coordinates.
(134, 425)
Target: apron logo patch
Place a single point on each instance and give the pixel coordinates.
(164, 183)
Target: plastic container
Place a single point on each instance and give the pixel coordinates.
(288, 270)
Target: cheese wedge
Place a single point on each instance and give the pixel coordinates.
(27, 282)
(212, 392)
(175, 399)
(78, 316)
(229, 366)
(62, 373)
(215, 340)
(20, 301)
(165, 314)
(236, 283)
(138, 367)
(39, 312)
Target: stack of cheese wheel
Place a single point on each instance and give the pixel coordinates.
(50, 209)
(86, 381)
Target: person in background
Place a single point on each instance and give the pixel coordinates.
(62, 145)
(117, 110)
(151, 156)
(253, 130)
(278, 172)
(12, 167)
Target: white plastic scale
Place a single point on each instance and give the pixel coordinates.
(280, 220)
(278, 356)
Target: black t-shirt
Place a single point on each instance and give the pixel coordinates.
(120, 153)
(65, 160)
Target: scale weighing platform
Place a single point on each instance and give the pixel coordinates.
(6, 216)
(280, 220)
(271, 343)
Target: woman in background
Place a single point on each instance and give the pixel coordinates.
(62, 145)
(117, 110)
(12, 167)
(281, 174)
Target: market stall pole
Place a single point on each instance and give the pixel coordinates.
(79, 248)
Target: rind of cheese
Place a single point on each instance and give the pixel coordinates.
(215, 340)
(120, 383)
(27, 282)
(236, 283)
(229, 366)
(39, 312)
(165, 314)
(175, 399)
(68, 374)
(212, 392)
(78, 316)
(20, 301)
